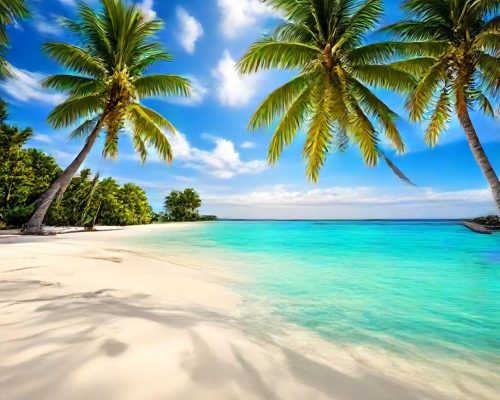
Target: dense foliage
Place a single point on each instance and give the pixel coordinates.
(26, 173)
(89, 201)
(184, 206)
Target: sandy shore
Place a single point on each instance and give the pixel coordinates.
(85, 317)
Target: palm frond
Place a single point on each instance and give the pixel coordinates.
(422, 95)
(75, 58)
(157, 118)
(415, 66)
(400, 174)
(162, 85)
(74, 85)
(278, 101)
(150, 133)
(384, 76)
(74, 109)
(85, 128)
(439, 118)
(289, 125)
(488, 42)
(490, 67)
(485, 105)
(364, 19)
(318, 139)
(381, 112)
(418, 30)
(268, 53)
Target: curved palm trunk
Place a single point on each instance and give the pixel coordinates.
(477, 149)
(35, 224)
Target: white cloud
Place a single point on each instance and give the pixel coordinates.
(190, 30)
(248, 145)
(233, 90)
(223, 161)
(238, 15)
(341, 196)
(25, 86)
(42, 138)
(198, 93)
(349, 203)
(147, 9)
(71, 3)
(44, 26)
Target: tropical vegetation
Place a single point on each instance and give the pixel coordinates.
(184, 206)
(10, 10)
(104, 91)
(89, 201)
(331, 96)
(25, 173)
(452, 48)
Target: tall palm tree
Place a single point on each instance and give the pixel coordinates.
(456, 63)
(9, 11)
(105, 90)
(330, 96)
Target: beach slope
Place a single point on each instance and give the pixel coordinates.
(86, 317)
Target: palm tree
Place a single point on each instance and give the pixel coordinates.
(105, 90)
(457, 65)
(9, 11)
(331, 95)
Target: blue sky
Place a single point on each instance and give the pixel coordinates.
(214, 152)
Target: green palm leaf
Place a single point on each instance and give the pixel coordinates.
(384, 76)
(267, 54)
(278, 101)
(440, 117)
(162, 85)
(75, 58)
(146, 130)
(74, 109)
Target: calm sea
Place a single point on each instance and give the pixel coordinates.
(415, 288)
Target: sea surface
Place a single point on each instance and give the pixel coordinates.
(419, 289)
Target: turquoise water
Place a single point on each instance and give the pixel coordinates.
(429, 288)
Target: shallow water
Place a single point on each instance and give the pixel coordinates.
(427, 289)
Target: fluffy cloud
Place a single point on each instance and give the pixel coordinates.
(42, 138)
(341, 196)
(223, 161)
(147, 9)
(71, 3)
(45, 26)
(247, 145)
(25, 86)
(190, 30)
(241, 14)
(233, 90)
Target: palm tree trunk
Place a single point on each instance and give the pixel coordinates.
(35, 224)
(477, 149)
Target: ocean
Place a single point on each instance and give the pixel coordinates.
(421, 290)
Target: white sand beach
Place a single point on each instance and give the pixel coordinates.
(86, 317)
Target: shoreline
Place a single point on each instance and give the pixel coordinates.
(85, 317)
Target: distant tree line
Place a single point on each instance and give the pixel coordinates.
(184, 206)
(89, 200)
